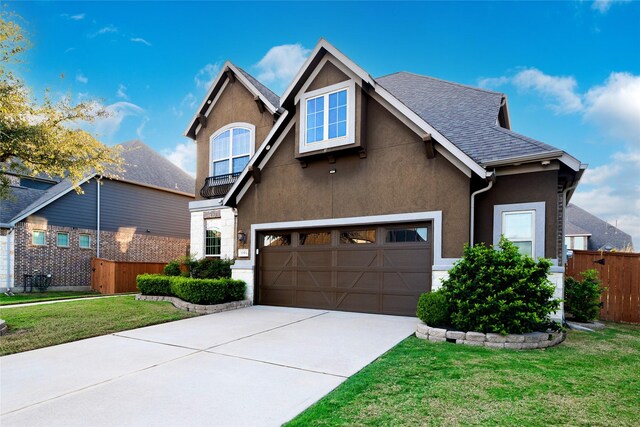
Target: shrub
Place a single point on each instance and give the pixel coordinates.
(502, 291)
(154, 284)
(173, 268)
(433, 309)
(212, 268)
(583, 297)
(196, 291)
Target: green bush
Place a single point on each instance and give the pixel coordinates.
(433, 309)
(173, 268)
(499, 290)
(583, 297)
(196, 291)
(154, 284)
(212, 268)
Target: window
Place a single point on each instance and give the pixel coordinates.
(38, 238)
(315, 238)
(62, 239)
(523, 224)
(85, 241)
(519, 227)
(576, 242)
(212, 243)
(358, 237)
(406, 235)
(231, 149)
(328, 117)
(276, 240)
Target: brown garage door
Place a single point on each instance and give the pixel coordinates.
(372, 269)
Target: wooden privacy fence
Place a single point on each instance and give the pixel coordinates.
(620, 274)
(116, 277)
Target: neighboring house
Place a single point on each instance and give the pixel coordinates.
(46, 227)
(356, 193)
(588, 232)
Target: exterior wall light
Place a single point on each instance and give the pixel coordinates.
(242, 236)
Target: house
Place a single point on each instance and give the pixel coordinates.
(46, 227)
(356, 193)
(588, 232)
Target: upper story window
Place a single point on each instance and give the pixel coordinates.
(327, 117)
(231, 148)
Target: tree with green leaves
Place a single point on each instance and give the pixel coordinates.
(44, 137)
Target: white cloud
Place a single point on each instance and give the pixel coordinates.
(140, 128)
(281, 63)
(612, 193)
(140, 40)
(183, 156)
(615, 107)
(117, 112)
(122, 92)
(76, 17)
(603, 6)
(70, 49)
(105, 30)
(82, 78)
(207, 74)
(189, 102)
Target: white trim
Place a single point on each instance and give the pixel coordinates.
(327, 58)
(252, 143)
(539, 209)
(454, 160)
(434, 216)
(205, 205)
(80, 244)
(349, 138)
(48, 202)
(58, 233)
(44, 237)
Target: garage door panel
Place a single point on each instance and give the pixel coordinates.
(357, 280)
(277, 278)
(314, 278)
(315, 299)
(413, 282)
(283, 297)
(357, 258)
(399, 304)
(368, 303)
(314, 258)
(403, 257)
(277, 259)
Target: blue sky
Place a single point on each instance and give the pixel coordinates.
(571, 69)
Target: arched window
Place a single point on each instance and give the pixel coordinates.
(231, 148)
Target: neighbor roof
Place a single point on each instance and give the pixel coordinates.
(604, 236)
(465, 115)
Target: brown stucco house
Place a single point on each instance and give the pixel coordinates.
(356, 193)
(140, 214)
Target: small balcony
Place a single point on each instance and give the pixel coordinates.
(218, 186)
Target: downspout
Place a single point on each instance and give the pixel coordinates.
(564, 221)
(98, 178)
(491, 178)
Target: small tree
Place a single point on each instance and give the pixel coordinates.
(583, 297)
(44, 138)
(499, 290)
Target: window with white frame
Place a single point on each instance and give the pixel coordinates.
(84, 241)
(212, 240)
(231, 148)
(38, 237)
(523, 224)
(327, 117)
(576, 242)
(62, 239)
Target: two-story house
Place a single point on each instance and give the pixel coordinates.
(356, 193)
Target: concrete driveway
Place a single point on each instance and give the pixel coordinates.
(255, 366)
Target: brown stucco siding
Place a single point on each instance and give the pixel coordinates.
(395, 177)
(235, 104)
(521, 188)
(328, 75)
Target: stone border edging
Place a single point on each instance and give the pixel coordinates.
(3, 327)
(530, 341)
(197, 308)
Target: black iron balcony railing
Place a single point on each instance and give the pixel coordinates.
(218, 186)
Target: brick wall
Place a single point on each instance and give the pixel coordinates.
(71, 266)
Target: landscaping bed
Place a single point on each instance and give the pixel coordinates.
(592, 379)
(50, 324)
(198, 308)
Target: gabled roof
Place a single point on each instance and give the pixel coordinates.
(604, 236)
(259, 90)
(143, 166)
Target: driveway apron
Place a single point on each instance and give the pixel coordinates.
(258, 366)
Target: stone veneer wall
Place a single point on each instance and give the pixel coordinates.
(226, 223)
(6, 258)
(71, 266)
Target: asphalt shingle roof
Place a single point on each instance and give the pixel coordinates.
(603, 235)
(265, 91)
(465, 115)
(20, 198)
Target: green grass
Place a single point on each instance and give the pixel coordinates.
(50, 324)
(590, 379)
(35, 296)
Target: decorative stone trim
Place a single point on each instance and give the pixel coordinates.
(197, 308)
(528, 341)
(3, 327)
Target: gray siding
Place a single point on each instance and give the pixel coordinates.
(122, 206)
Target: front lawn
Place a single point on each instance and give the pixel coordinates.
(50, 324)
(590, 379)
(23, 298)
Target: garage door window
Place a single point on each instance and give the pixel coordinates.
(318, 238)
(271, 240)
(406, 235)
(358, 237)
